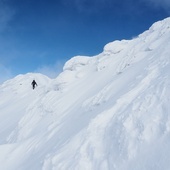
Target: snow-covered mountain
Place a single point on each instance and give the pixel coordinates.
(107, 112)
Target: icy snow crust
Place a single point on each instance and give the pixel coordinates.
(107, 112)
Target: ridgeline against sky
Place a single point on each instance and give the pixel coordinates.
(106, 112)
(40, 36)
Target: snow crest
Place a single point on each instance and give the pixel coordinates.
(106, 112)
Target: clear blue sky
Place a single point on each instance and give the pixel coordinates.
(41, 35)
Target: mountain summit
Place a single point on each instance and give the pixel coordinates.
(106, 112)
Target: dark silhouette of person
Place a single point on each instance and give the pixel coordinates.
(33, 84)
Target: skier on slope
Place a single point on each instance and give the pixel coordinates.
(33, 84)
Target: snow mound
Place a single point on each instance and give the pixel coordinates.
(116, 46)
(76, 63)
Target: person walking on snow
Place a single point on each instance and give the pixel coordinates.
(33, 84)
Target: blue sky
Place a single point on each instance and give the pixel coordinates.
(41, 35)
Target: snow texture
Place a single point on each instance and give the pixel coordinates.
(107, 112)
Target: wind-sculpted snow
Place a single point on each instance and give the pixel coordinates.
(107, 112)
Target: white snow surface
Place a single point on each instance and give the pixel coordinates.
(106, 112)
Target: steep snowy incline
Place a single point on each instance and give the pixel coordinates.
(107, 112)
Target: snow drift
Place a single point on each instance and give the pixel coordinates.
(107, 112)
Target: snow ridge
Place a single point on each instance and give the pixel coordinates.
(106, 112)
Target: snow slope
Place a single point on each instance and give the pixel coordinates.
(107, 112)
